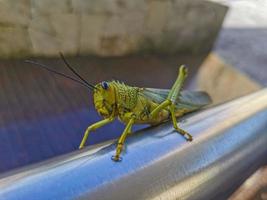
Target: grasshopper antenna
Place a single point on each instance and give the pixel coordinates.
(59, 73)
(73, 71)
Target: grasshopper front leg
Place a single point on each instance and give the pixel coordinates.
(94, 127)
(170, 102)
(121, 141)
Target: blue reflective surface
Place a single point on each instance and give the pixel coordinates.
(24, 142)
(230, 142)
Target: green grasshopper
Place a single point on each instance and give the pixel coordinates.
(134, 105)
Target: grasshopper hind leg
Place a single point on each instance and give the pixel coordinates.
(186, 135)
(169, 103)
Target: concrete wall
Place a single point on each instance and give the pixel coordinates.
(107, 27)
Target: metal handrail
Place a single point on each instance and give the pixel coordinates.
(230, 142)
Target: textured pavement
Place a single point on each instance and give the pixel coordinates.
(242, 41)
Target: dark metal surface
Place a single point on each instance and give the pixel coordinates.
(230, 142)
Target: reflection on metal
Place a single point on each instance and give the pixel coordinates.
(230, 142)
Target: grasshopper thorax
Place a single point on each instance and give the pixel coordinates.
(105, 99)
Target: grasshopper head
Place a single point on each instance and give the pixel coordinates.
(104, 98)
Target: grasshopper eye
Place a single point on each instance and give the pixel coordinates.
(104, 85)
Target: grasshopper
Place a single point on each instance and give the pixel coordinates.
(134, 105)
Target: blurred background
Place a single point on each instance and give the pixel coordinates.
(141, 43)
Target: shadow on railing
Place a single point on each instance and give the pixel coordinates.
(230, 143)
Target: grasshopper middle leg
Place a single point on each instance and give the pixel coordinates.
(121, 141)
(170, 102)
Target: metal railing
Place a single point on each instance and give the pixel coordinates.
(230, 142)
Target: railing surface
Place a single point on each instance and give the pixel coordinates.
(230, 142)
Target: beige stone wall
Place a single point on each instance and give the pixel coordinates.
(222, 81)
(107, 27)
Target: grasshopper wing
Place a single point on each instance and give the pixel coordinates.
(189, 100)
